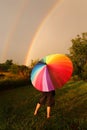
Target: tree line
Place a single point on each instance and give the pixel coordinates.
(77, 53)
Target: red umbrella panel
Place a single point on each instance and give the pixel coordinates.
(51, 72)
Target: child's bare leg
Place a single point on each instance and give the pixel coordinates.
(48, 111)
(37, 108)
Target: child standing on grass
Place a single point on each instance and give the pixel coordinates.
(46, 98)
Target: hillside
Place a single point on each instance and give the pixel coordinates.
(70, 111)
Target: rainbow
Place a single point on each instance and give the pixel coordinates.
(13, 28)
(46, 17)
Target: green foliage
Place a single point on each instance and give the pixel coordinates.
(9, 62)
(78, 54)
(3, 67)
(85, 71)
(14, 69)
(6, 66)
(69, 113)
(21, 70)
(24, 70)
(10, 83)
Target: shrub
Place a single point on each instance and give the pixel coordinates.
(13, 83)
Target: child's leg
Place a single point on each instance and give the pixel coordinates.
(37, 108)
(48, 111)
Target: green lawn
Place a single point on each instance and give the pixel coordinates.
(69, 113)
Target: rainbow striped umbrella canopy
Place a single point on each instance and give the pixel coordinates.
(51, 72)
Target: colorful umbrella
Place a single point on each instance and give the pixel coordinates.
(51, 72)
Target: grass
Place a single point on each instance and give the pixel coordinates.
(69, 113)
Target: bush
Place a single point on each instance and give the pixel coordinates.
(75, 78)
(13, 83)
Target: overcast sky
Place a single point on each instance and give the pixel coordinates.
(31, 29)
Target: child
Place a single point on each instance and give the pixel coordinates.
(46, 98)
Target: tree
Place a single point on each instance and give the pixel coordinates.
(8, 64)
(33, 63)
(85, 71)
(78, 54)
(24, 71)
(14, 69)
(2, 68)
